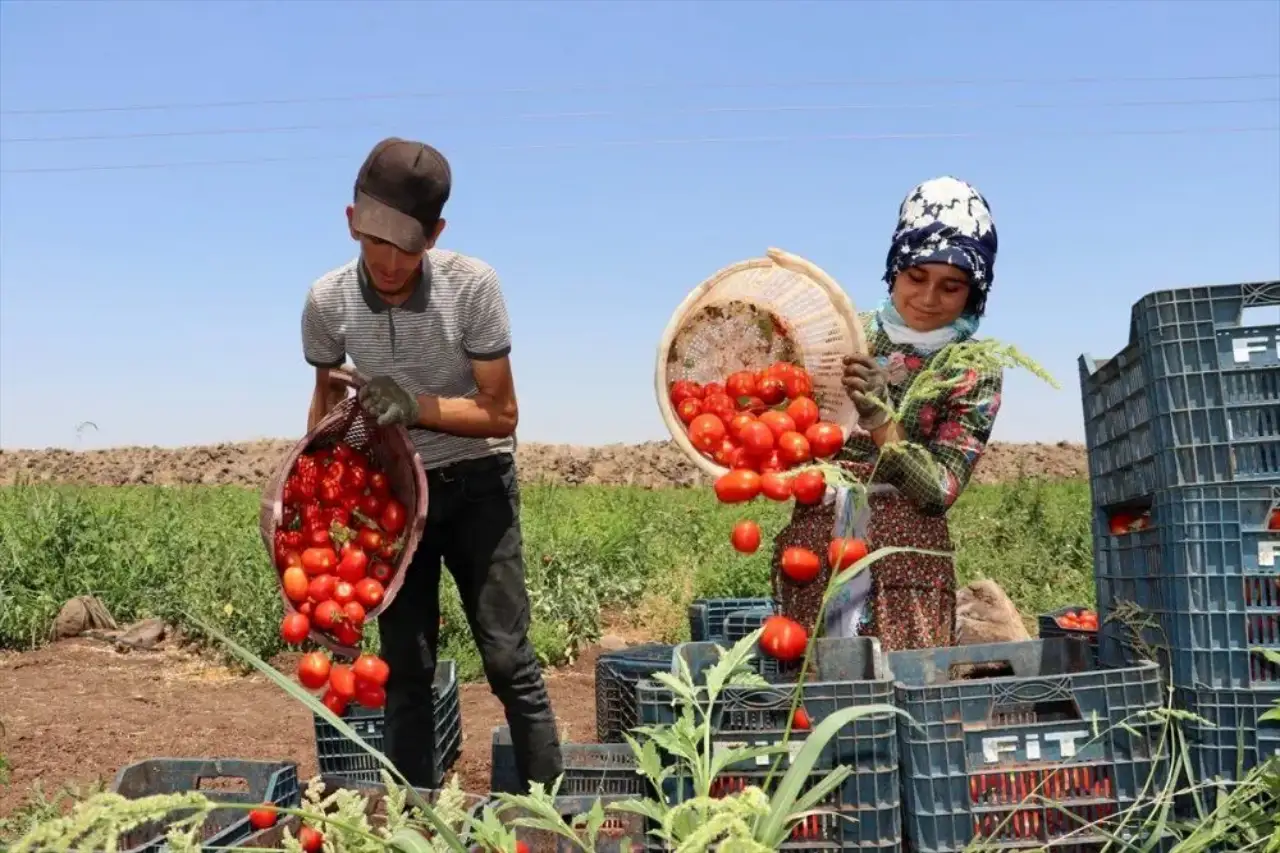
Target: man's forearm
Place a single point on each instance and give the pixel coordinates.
(480, 416)
(324, 397)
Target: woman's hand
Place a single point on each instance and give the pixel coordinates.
(867, 384)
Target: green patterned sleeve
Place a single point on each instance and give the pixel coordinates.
(951, 432)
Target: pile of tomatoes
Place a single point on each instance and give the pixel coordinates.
(342, 530)
(1083, 619)
(757, 421)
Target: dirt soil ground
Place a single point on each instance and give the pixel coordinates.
(654, 464)
(77, 711)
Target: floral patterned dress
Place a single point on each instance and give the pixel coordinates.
(912, 599)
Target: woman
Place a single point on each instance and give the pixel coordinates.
(939, 270)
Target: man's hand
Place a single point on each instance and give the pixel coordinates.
(867, 384)
(388, 402)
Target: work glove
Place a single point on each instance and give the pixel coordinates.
(867, 384)
(388, 402)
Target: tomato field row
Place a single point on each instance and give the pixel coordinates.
(173, 551)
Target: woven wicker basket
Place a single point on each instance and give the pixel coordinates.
(394, 453)
(745, 317)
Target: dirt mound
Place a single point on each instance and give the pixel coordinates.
(652, 464)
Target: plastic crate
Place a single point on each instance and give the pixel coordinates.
(590, 769)
(222, 780)
(741, 623)
(1049, 627)
(1235, 741)
(618, 827)
(995, 723)
(1205, 573)
(343, 758)
(848, 673)
(706, 616)
(1194, 399)
(616, 677)
(375, 810)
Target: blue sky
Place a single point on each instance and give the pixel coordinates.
(163, 303)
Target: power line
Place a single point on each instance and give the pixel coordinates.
(592, 114)
(637, 87)
(660, 142)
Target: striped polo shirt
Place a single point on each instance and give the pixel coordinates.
(456, 315)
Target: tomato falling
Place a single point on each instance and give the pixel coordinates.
(746, 537)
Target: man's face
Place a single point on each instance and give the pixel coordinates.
(391, 269)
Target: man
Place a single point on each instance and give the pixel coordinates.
(430, 327)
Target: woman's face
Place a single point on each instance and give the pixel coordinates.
(930, 296)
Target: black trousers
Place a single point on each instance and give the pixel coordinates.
(473, 526)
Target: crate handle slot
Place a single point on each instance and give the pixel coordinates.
(979, 670)
(1034, 702)
(223, 784)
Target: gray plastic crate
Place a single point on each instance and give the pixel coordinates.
(1049, 627)
(343, 758)
(1205, 571)
(1236, 739)
(847, 673)
(1194, 399)
(222, 780)
(616, 677)
(594, 769)
(994, 723)
(706, 616)
(617, 828)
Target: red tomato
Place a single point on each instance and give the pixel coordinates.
(328, 614)
(354, 563)
(737, 486)
(724, 453)
(793, 449)
(1122, 523)
(294, 628)
(777, 422)
(369, 592)
(775, 487)
(689, 409)
(321, 588)
(305, 609)
(772, 390)
(798, 384)
(369, 539)
(783, 639)
(800, 565)
(287, 559)
(319, 561)
(683, 389)
(800, 719)
(334, 703)
(740, 384)
(370, 695)
(1273, 522)
(771, 463)
(844, 552)
(294, 582)
(354, 612)
(720, 405)
(313, 670)
(342, 681)
(707, 432)
(331, 492)
(712, 389)
(263, 818)
(378, 484)
(738, 422)
(521, 847)
(804, 412)
(746, 537)
(825, 439)
(381, 572)
(317, 537)
(754, 405)
(371, 669)
(756, 438)
(347, 633)
(343, 592)
(808, 487)
(392, 519)
(741, 460)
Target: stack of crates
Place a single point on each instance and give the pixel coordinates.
(849, 673)
(1183, 433)
(707, 618)
(1028, 745)
(616, 675)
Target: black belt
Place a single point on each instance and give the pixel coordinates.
(467, 467)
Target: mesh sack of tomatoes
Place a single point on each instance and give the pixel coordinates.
(750, 366)
(347, 506)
